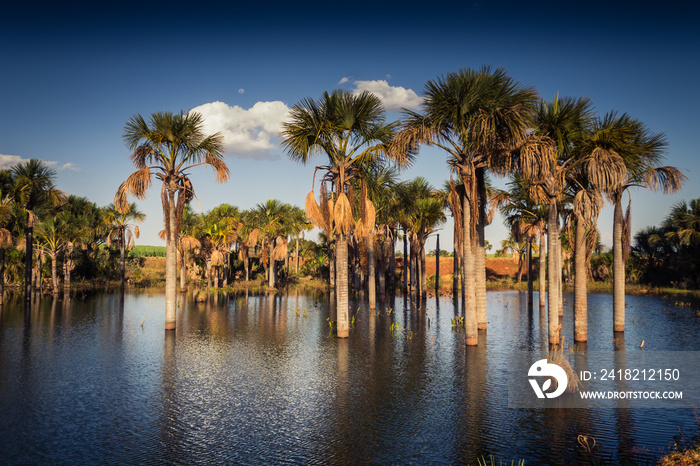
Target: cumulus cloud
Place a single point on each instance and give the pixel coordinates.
(248, 133)
(9, 161)
(393, 97)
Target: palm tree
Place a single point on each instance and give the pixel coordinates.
(122, 231)
(186, 242)
(545, 161)
(527, 219)
(52, 240)
(476, 116)
(5, 238)
(168, 148)
(628, 155)
(33, 186)
(351, 131)
(270, 218)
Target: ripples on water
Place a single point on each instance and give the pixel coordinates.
(263, 380)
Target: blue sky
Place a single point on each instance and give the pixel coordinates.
(73, 73)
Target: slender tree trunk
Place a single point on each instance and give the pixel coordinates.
(272, 262)
(371, 272)
(480, 251)
(226, 269)
(437, 265)
(455, 265)
(332, 258)
(183, 271)
(553, 295)
(216, 276)
(2, 275)
(618, 269)
(171, 265)
(28, 265)
(54, 272)
(469, 276)
(392, 263)
(529, 273)
(405, 263)
(381, 275)
(342, 303)
(423, 271)
(413, 269)
(560, 276)
(68, 268)
(296, 265)
(542, 276)
(580, 283)
(122, 258)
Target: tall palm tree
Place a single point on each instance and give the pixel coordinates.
(34, 185)
(351, 131)
(476, 116)
(545, 161)
(636, 154)
(123, 231)
(168, 147)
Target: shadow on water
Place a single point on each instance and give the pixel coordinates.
(263, 379)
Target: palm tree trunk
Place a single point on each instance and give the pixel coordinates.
(423, 270)
(618, 269)
(542, 277)
(171, 265)
(122, 258)
(183, 271)
(209, 284)
(529, 274)
(455, 265)
(332, 258)
(437, 265)
(371, 272)
(392, 262)
(2, 274)
(29, 255)
(580, 283)
(381, 275)
(405, 263)
(216, 276)
(469, 276)
(342, 303)
(272, 262)
(296, 265)
(480, 251)
(54, 272)
(553, 295)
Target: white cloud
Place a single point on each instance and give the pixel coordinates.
(241, 91)
(248, 133)
(393, 97)
(344, 80)
(9, 161)
(69, 166)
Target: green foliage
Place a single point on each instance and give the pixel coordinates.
(147, 251)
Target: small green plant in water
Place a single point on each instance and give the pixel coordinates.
(458, 323)
(298, 311)
(491, 461)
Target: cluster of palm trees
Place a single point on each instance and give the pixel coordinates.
(226, 233)
(562, 157)
(558, 153)
(669, 254)
(37, 221)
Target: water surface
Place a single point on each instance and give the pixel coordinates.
(262, 379)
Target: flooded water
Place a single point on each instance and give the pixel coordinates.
(262, 379)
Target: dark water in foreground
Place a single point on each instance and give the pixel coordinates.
(262, 380)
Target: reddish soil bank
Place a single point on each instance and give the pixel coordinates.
(495, 266)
